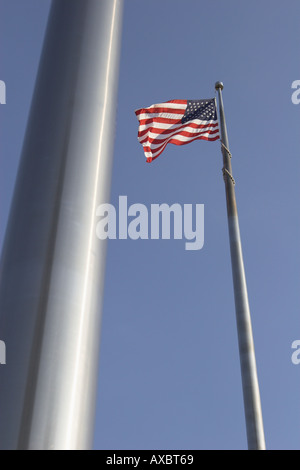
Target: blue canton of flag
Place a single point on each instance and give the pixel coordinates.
(205, 110)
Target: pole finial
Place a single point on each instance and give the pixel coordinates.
(219, 85)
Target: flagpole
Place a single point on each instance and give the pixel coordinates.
(252, 404)
(53, 265)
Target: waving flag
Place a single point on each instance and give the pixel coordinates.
(176, 122)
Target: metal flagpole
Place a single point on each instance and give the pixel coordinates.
(252, 404)
(52, 265)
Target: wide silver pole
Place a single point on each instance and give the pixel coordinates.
(252, 404)
(52, 266)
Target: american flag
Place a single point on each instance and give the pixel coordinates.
(176, 122)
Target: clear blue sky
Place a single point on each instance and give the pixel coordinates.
(169, 374)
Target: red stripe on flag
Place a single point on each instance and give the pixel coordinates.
(160, 111)
(159, 131)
